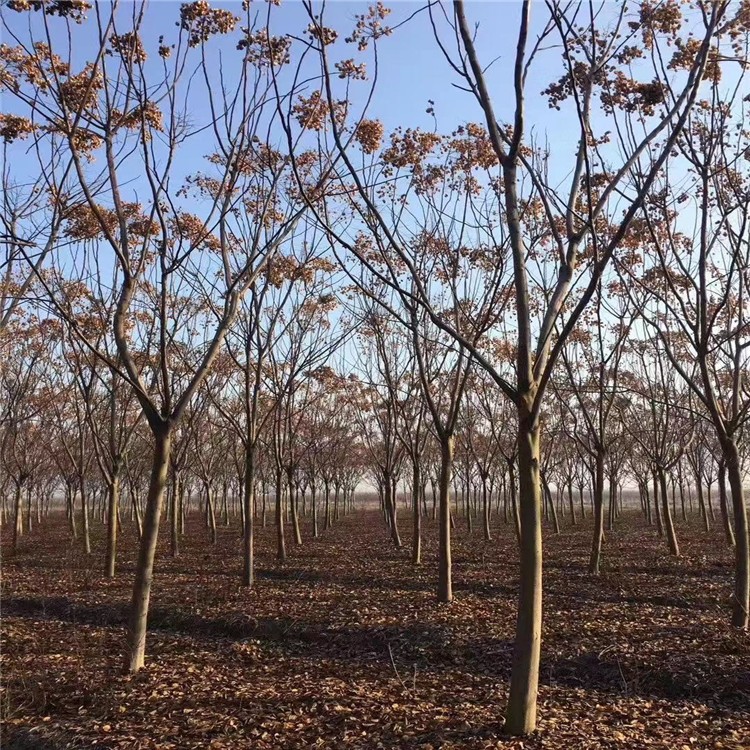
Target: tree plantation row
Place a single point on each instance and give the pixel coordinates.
(238, 279)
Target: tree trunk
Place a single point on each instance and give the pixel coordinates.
(280, 540)
(702, 506)
(571, 504)
(391, 510)
(18, 518)
(674, 548)
(657, 511)
(724, 507)
(520, 717)
(136, 637)
(741, 602)
(85, 514)
(445, 583)
(293, 503)
(596, 543)
(174, 518)
(612, 510)
(112, 507)
(248, 536)
(514, 501)
(314, 503)
(485, 511)
(416, 538)
(210, 511)
(551, 505)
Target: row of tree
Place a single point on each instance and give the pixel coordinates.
(193, 297)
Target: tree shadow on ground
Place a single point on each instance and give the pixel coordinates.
(680, 676)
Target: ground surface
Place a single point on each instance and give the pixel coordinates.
(344, 645)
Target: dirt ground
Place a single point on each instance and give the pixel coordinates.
(345, 646)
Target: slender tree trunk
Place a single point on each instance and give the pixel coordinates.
(612, 502)
(85, 514)
(112, 508)
(674, 548)
(17, 518)
(486, 511)
(514, 501)
(445, 583)
(314, 503)
(580, 500)
(724, 506)
(293, 503)
(741, 601)
(551, 505)
(657, 510)
(248, 537)
(174, 518)
(392, 511)
(702, 506)
(137, 621)
(29, 514)
(280, 540)
(416, 539)
(210, 511)
(571, 504)
(710, 504)
(520, 717)
(596, 544)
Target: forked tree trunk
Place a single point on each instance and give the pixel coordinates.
(520, 717)
(596, 543)
(741, 601)
(416, 539)
(674, 548)
(113, 503)
(138, 617)
(445, 583)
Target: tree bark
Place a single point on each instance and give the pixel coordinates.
(723, 506)
(18, 517)
(280, 540)
(85, 514)
(248, 536)
(674, 548)
(293, 504)
(112, 507)
(445, 583)
(598, 537)
(520, 717)
(416, 539)
(741, 601)
(137, 621)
